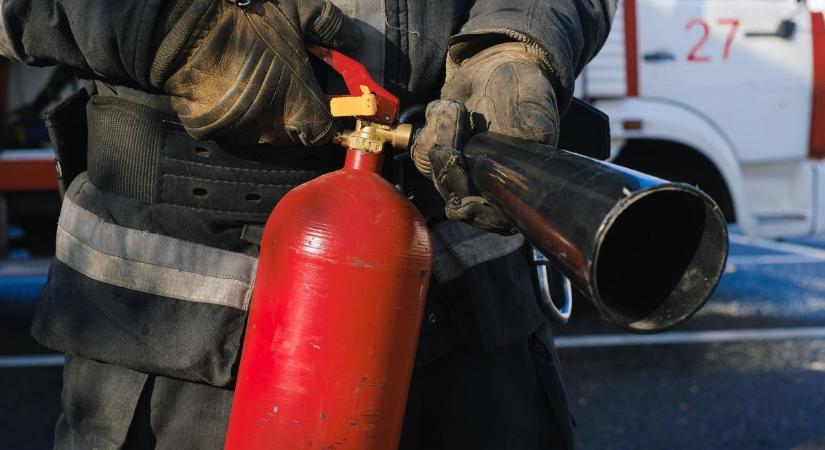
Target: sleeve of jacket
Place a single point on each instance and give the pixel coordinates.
(562, 34)
(104, 39)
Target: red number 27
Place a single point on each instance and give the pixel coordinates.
(693, 55)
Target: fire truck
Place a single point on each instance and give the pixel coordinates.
(29, 202)
(725, 94)
(728, 95)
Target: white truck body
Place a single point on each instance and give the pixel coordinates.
(740, 84)
(713, 94)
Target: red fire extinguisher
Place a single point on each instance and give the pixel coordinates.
(339, 294)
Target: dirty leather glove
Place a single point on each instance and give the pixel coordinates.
(501, 89)
(243, 71)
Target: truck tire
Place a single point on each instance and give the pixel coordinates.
(678, 162)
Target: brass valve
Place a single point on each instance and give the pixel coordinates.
(368, 136)
(371, 136)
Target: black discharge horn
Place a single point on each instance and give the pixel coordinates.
(647, 252)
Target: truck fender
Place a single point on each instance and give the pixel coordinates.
(640, 118)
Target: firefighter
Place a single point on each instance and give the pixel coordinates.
(195, 120)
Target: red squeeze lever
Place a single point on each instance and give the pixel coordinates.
(339, 293)
(355, 75)
(374, 108)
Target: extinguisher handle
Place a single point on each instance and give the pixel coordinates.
(367, 100)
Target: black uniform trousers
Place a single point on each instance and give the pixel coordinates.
(471, 388)
(470, 400)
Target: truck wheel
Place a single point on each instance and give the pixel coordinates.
(677, 162)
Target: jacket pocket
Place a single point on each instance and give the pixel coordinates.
(142, 300)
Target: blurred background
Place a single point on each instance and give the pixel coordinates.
(728, 95)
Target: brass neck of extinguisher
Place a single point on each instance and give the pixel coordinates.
(365, 144)
(372, 137)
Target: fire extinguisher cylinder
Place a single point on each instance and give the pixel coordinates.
(335, 315)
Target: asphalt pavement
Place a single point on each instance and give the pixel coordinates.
(747, 372)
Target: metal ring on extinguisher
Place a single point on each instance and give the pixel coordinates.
(553, 287)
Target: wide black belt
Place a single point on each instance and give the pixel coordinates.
(140, 153)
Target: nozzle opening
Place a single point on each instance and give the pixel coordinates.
(660, 258)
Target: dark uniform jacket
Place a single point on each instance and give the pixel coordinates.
(151, 280)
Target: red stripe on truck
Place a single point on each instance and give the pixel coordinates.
(631, 48)
(816, 148)
(27, 175)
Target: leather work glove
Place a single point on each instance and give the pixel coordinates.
(502, 89)
(244, 71)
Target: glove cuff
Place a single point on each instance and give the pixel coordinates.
(470, 45)
(331, 28)
(180, 23)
